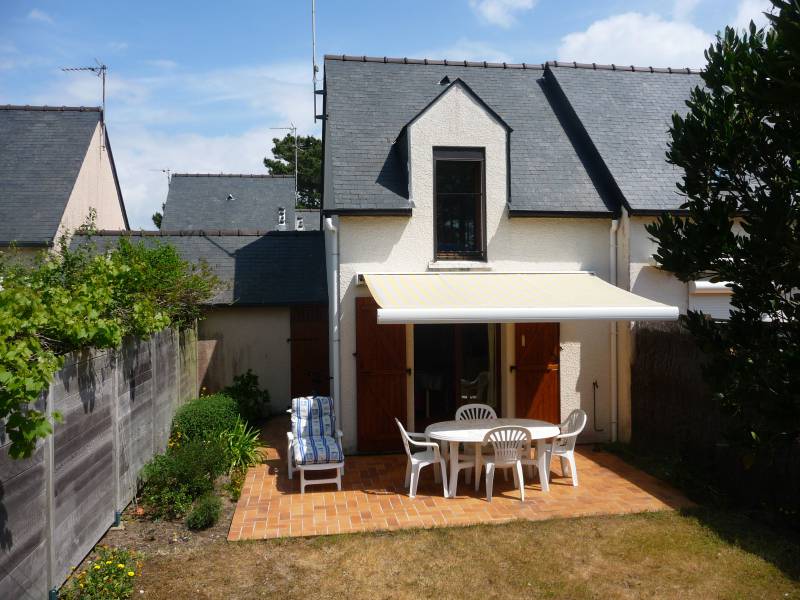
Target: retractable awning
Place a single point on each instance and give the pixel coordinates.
(507, 298)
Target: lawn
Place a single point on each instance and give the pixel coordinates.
(696, 554)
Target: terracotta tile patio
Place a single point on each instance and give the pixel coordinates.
(373, 498)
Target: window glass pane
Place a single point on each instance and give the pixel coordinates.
(458, 206)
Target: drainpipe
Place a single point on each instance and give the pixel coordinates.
(612, 255)
(333, 287)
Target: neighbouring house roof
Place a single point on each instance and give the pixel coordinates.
(214, 201)
(310, 218)
(42, 149)
(256, 268)
(584, 139)
(626, 115)
(369, 101)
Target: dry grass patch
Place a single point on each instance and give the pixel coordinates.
(658, 555)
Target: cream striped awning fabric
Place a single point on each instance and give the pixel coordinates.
(507, 298)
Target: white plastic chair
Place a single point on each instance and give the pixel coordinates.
(419, 460)
(314, 443)
(509, 444)
(563, 445)
(473, 412)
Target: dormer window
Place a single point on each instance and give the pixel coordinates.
(281, 216)
(298, 223)
(459, 203)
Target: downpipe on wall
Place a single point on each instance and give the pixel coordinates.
(612, 245)
(333, 287)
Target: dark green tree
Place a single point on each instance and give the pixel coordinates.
(739, 146)
(309, 169)
(158, 216)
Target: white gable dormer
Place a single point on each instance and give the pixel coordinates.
(457, 128)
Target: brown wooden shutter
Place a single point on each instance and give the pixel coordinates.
(309, 350)
(380, 379)
(537, 377)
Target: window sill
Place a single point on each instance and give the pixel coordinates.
(458, 265)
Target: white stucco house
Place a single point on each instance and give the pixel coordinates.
(56, 166)
(485, 238)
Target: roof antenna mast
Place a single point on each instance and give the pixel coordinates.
(293, 129)
(99, 70)
(315, 68)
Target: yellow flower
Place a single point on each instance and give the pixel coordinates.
(120, 566)
(131, 573)
(108, 562)
(80, 584)
(97, 567)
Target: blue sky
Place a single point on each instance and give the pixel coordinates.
(196, 86)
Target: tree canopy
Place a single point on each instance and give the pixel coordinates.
(309, 166)
(739, 146)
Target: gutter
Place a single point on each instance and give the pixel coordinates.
(333, 291)
(612, 255)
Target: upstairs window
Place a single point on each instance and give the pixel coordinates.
(459, 203)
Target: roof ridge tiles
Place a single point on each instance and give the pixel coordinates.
(241, 175)
(192, 233)
(51, 108)
(504, 65)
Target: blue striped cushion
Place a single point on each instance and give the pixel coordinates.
(317, 451)
(313, 416)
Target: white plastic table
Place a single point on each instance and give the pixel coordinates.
(473, 431)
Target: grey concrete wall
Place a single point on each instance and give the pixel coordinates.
(117, 408)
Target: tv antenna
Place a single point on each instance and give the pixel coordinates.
(314, 67)
(100, 70)
(293, 129)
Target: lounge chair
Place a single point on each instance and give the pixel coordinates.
(314, 443)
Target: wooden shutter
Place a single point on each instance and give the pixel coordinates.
(309, 350)
(381, 376)
(537, 377)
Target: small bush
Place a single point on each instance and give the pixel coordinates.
(240, 445)
(171, 481)
(253, 402)
(109, 576)
(234, 486)
(205, 417)
(205, 512)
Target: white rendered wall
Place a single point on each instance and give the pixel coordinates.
(94, 188)
(402, 244)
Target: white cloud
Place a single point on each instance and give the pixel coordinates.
(751, 10)
(464, 49)
(41, 16)
(682, 9)
(212, 121)
(501, 12)
(634, 38)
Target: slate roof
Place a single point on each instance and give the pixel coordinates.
(627, 114)
(585, 137)
(200, 201)
(368, 102)
(41, 153)
(256, 268)
(310, 218)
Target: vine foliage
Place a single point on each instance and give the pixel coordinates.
(78, 297)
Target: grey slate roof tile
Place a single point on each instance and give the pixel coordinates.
(256, 268)
(367, 103)
(627, 115)
(200, 201)
(41, 153)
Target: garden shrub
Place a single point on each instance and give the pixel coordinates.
(240, 444)
(109, 575)
(235, 484)
(171, 481)
(253, 402)
(205, 418)
(205, 512)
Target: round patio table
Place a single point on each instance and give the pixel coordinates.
(473, 431)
